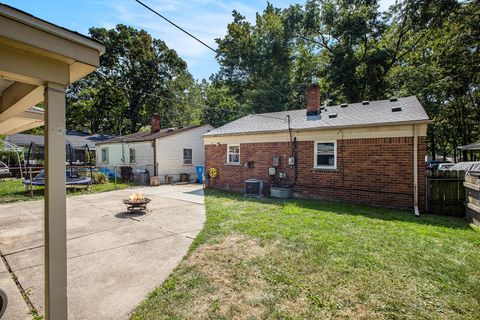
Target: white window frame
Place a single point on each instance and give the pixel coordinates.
(334, 155)
(106, 154)
(228, 153)
(130, 155)
(183, 157)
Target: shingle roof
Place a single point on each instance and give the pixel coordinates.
(148, 136)
(75, 138)
(471, 146)
(353, 115)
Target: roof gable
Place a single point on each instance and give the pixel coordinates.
(148, 136)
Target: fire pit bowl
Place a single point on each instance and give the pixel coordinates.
(136, 205)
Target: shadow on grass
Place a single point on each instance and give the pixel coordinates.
(342, 208)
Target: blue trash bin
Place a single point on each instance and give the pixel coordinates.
(200, 170)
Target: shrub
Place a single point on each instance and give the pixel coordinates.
(100, 178)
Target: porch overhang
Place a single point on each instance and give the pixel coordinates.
(34, 52)
(37, 61)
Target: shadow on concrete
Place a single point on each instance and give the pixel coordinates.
(198, 192)
(129, 215)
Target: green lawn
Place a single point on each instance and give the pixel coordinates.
(301, 259)
(12, 190)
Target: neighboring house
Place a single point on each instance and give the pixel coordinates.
(369, 152)
(79, 142)
(163, 152)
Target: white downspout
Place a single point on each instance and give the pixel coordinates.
(415, 171)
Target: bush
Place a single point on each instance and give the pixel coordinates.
(100, 178)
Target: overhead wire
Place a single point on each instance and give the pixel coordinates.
(198, 40)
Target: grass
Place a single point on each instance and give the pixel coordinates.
(305, 259)
(13, 190)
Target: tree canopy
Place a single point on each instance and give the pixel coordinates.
(418, 47)
(138, 75)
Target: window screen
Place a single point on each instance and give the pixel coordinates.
(234, 154)
(187, 156)
(104, 155)
(132, 155)
(325, 156)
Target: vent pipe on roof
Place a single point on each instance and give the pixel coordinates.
(344, 105)
(365, 102)
(396, 109)
(155, 123)
(393, 99)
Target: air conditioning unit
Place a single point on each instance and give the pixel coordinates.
(253, 188)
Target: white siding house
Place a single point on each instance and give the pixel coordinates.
(138, 155)
(167, 152)
(181, 152)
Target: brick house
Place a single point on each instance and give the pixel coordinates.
(371, 152)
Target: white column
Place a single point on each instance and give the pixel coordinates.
(55, 204)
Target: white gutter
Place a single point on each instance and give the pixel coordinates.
(415, 171)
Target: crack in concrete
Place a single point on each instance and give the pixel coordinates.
(172, 234)
(14, 277)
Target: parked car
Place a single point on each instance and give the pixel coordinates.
(4, 171)
(433, 164)
(445, 166)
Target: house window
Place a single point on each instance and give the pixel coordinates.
(233, 153)
(104, 155)
(132, 155)
(326, 155)
(187, 156)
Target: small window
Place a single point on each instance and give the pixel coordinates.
(187, 156)
(233, 154)
(326, 155)
(104, 156)
(132, 155)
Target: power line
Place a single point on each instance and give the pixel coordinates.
(200, 41)
(175, 25)
(204, 107)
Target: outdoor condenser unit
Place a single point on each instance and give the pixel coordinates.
(253, 188)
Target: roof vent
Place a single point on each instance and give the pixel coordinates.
(344, 105)
(396, 109)
(332, 115)
(393, 99)
(365, 102)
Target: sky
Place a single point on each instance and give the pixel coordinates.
(206, 19)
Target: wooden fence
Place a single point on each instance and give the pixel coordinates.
(446, 193)
(472, 189)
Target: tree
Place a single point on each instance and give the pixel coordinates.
(425, 48)
(138, 75)
(222, 106)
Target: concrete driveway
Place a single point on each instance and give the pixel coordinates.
(114, 259)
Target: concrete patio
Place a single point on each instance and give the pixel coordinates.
(114, 259)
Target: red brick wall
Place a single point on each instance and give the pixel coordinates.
(377, 171)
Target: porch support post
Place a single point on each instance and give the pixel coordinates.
(55, 204)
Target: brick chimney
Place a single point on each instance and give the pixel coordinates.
(313, 99)
(155, 123)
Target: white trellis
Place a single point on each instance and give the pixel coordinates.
(9, 146)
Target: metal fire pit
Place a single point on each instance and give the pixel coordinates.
(136, 205)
